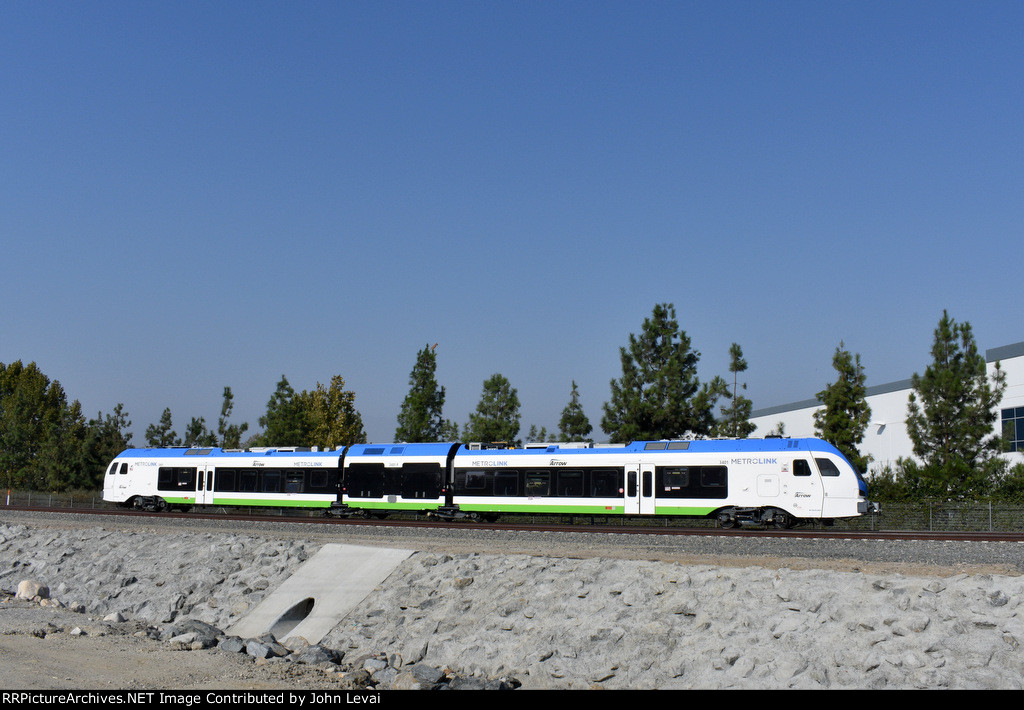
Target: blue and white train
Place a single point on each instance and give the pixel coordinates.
(776, 482)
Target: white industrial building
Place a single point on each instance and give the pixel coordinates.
(886, 438)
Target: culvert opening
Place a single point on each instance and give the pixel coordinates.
(292, 618)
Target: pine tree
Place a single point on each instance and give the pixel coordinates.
(421, 419)
(230, 435)
(736, 417)
(574, 425)
(107, 437)
(951, 417)
(162, 434)
(196, 433)
(846, 414)
(284, 423)
(497, 415)
(659, 395)
(32, 411)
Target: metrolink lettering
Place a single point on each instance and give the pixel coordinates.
(755, 460)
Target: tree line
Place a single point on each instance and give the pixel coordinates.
(47, 444)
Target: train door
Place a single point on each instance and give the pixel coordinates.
(115, 484)
(841, 492)
(639, 489)
(121, 482)
(204, 485)
(631, 490)
(801, 488)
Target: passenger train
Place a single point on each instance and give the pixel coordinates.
(777, 482)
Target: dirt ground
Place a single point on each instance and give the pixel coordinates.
(39, 650)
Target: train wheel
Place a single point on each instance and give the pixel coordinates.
(782, 520)
(726, 519)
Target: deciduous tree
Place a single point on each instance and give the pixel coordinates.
(330, 416)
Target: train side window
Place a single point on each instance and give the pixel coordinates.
(713, 476)
(476, 480)
(675, 482)
(605, 483)
(570, 482)
(801, 468)
(271, 482)
(225, 480)
(171, 478)
(293, 482)
(826, 467)
(248, 480)
(124, 469)
(538, 483)
(506, 483)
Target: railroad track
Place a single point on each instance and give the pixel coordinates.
(666, 529)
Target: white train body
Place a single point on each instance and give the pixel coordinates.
(748, 481)
(157, 479)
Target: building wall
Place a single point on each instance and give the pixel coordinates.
(886, 438)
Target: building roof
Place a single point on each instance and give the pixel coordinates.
(1004, 352)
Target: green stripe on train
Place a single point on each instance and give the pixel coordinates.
(532, 508)
(270, 502)
(378, 505)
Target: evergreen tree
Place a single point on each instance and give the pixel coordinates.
(331, 416)
(230, 435)
(196, 433)
(574, 425)
(61, 462)
(537, 435)
(497, 415)
(32, 412)
(284, 423)
(106, 438)
(736, 417)
(162, 434)
(951, 417)
(421, 419)
(659, 395)
(846, 414)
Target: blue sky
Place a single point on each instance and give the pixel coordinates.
(199, 195)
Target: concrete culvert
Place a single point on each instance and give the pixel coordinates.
(292, 618)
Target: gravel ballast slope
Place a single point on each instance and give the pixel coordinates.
(557, 621)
